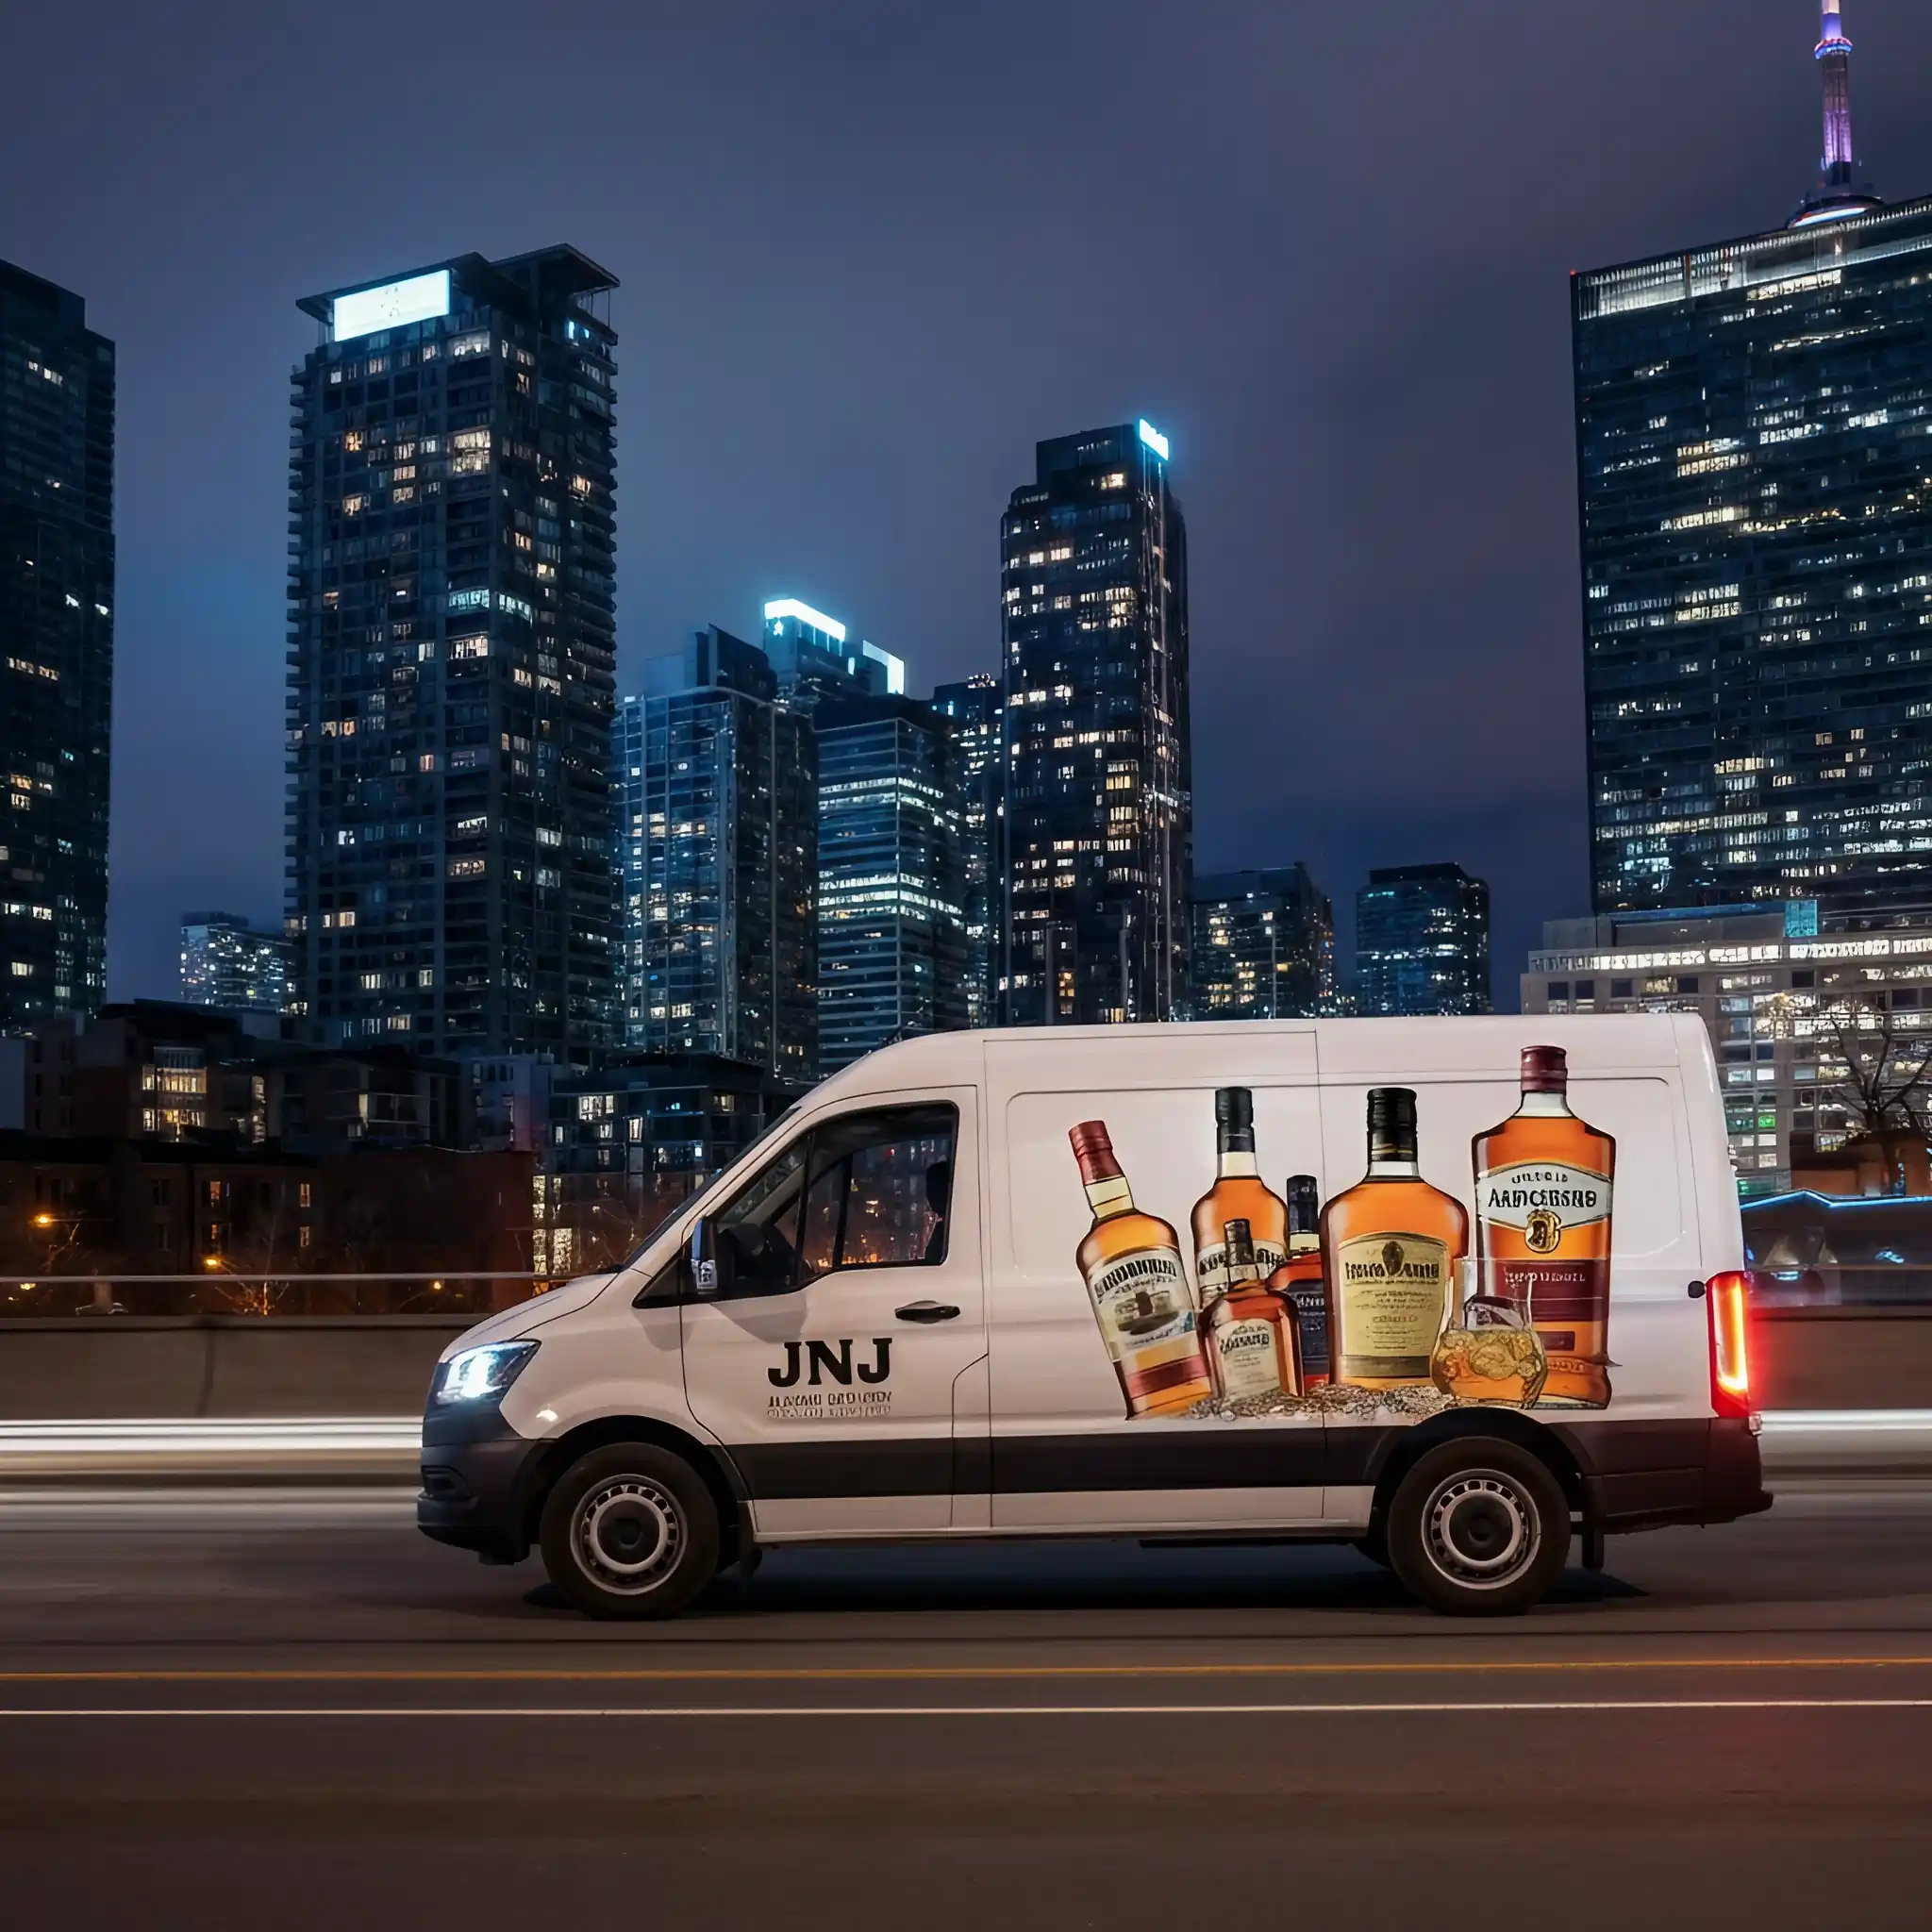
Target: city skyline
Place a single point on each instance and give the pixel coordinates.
(1739, 108)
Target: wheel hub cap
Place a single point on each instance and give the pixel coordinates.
(1479, 1529)
(629, 1533)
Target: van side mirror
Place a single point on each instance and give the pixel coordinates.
(707, 1276)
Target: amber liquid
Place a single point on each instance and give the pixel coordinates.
(1237, 1196)
(1389, 1251)
(1556, 1271)
(1138, 1284)
(1239, 1366)
(1298, 1282)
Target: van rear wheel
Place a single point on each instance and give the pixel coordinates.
(1479, 1527)
(630, 1530)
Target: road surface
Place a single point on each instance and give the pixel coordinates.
(289, 1710)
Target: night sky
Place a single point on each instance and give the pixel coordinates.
(870, 253)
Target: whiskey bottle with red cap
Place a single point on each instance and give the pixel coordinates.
(1138, 1283)
(1544, 1181)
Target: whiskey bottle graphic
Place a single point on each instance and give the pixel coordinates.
(1542, 1207)
(1389, 1249)
(1132, 1265)
(1238, 1190)
(1252, 1339)
(1298, 1280)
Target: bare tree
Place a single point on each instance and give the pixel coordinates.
(1886, 1083)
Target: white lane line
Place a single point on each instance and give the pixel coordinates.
(825, 1711)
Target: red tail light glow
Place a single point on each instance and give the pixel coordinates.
(1730, 1363)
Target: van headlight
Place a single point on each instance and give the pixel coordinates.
(480, 1374)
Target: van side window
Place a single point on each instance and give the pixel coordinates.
(868, 1190)
(880, 1191)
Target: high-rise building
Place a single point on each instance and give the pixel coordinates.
(451, 659)
(1097, 855)
(1757, 536)
(811, 652)
(57, 648)
(976, 708)
(718, 815)
(1422, 941)
(891, 865)
(232, 965)
(1264, 946)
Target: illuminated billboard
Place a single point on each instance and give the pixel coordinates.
(414, 299)
(1153, 439)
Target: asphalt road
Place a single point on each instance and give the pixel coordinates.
(290, 1710)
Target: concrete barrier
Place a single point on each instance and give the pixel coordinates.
(1842, 1359)
(133, 1367)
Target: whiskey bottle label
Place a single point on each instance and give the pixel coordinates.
(1311, 1306)
(1143, 1304)
(1245, 1358)
(1542, 1200)
(1210, 1266)
(1546, 1206)
(1393, 1293)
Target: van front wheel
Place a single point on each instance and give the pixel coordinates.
(1479, 1528)
(630, 1531)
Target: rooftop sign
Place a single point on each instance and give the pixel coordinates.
(414, 299)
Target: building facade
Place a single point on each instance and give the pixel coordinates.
(1264, 946)
(811, 652)
(976, 709)
(57, 648)
(451, 653)
(891, 868)
(1422, 941)
(230, 964)
(632, 1141)
(1756, 539)
(718, 816)
(1807, 1010)
(1097, 854)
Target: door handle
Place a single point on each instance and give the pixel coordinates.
(928, 1311)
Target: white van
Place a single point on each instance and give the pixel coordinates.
(1071, 1282)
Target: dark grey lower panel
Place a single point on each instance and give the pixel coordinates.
(1633, 1473)
(1139, 1458)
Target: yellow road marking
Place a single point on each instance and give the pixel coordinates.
(951, 1673)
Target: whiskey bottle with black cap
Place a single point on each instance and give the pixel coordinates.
(1390, 1246)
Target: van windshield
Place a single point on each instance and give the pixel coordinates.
(782, 1125)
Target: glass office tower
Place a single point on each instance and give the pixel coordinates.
(976, 708)
(451, 686)
(1422, 941)
(231, 965)
(891, 865)
(1756, 534)
(1097, 853)
(57, 648)
(718, 828)
(1264, 946)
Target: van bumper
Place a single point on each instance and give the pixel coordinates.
(1647, 1476)
(477, 1477)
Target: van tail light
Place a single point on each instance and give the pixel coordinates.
(1730, 1362)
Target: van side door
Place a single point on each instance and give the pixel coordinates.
(1088, 1340)
(848, 1304)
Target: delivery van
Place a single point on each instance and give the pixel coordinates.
(1460, 1293)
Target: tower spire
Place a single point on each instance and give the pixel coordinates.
(1839, 192)
(1834, 58)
